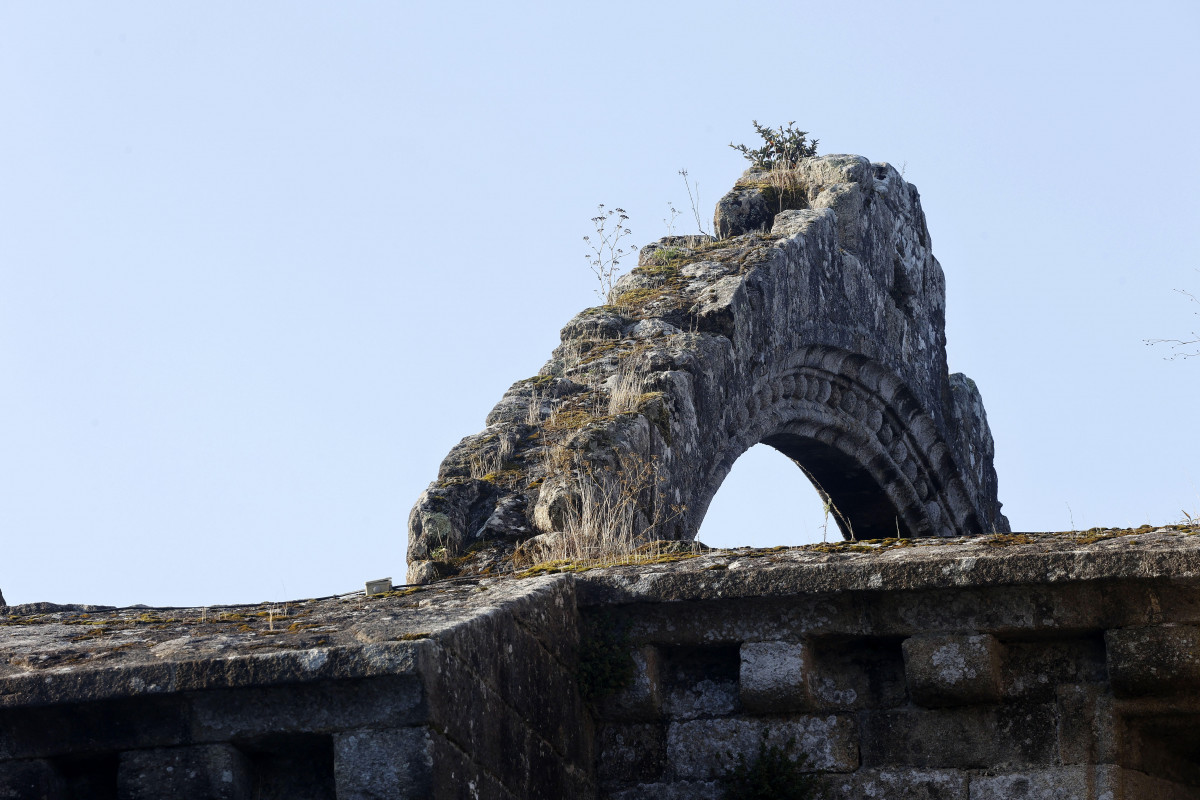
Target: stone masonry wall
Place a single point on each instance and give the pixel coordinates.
(1006, 667)
(980, 693)
(441, 695)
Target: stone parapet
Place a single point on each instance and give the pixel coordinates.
(1006, 667)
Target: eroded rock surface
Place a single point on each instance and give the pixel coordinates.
(815, 324)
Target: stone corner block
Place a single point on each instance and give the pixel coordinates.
(952, 669)
(379, 764)
(774, 676)
(641, 701)
(1156, 659)
(217, 771)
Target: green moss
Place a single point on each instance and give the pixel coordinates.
(503, 477)
(538, 381)
(1008, 539)
(569, 420)
(636, 297)
(667, 266)
(397, 593)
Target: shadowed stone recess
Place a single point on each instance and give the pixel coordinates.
(815, 324)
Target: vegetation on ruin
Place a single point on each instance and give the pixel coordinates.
(775, 773)
(782, 147)
(605, 250)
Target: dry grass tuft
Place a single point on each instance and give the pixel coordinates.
(614, 520)
(491, 460)
(626, 394)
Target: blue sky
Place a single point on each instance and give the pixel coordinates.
(262, 265)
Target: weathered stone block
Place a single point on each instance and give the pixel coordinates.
(1154, 659)
(1033, 670)
(56, 730)
(900, 784)
(524, 672)
(775, 676)
(317, 708)
(456, 777)
(1130, 784)
(549, 777)
(1088, 730)
(858, 673)
(383, 765)
(708, 748)
(24, 780)
(1103, 782)
(642, 699)
(998, 610)
(948, 670)
(631, 753)
(471, 714)
(217, 771)
(980, 738)
(734, 620)
(700, 681)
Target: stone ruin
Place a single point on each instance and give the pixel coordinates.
(814, 323)
(952, 662)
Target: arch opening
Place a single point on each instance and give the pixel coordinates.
(858, 503)
(765, 501)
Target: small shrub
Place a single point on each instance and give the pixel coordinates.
(782, 148)
(776, 773)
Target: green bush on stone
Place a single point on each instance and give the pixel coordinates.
(782, 147)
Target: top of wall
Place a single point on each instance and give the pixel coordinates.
(55, 654)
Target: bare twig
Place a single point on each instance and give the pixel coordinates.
(695, 201)
(1178, 343)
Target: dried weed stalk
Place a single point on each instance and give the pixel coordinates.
(616, 516)
(626, 393)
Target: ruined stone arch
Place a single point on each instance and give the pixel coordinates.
(816, 327)
(861, 439)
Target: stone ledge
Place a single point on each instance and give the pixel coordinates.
(890, 565)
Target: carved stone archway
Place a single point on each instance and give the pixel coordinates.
(816, 325)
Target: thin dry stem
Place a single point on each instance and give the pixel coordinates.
(784, 181)
(533, 415)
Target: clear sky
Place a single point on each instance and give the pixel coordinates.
(262, 264)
